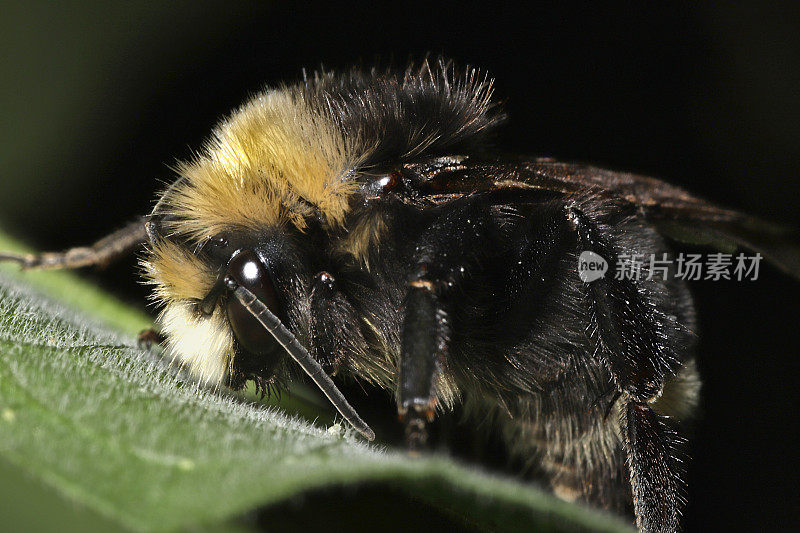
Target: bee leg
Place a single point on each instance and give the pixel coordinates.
(148, 338)
(101, 253)
(651, 445)
(444, 251)
(424, 342)
(628, 332)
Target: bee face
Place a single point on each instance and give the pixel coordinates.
(241, 348)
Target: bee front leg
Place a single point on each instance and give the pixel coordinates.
(149, 338)
(101, 253)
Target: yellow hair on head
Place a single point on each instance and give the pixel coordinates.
(176, 273)
(364, 236)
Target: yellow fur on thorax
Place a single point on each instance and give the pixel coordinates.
(272, 161)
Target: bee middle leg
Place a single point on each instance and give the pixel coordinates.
(425, 335)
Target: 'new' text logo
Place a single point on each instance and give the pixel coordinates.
(591, 266)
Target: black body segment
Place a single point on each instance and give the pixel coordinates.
(488, 266)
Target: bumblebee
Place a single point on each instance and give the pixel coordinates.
(361, 224)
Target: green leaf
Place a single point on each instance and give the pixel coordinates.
(117, 431)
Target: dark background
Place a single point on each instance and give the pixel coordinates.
(99, 100)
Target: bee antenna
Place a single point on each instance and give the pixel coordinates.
(301, 356)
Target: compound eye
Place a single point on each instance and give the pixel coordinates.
(247, 270)
(216, 247)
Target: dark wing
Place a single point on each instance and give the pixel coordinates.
(673, 211)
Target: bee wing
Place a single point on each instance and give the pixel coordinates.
(731, 230)
(674, 212)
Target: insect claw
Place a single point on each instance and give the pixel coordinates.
(416, 418)
(416, 432)
(148, 338)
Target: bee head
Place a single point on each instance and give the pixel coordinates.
(275, 168)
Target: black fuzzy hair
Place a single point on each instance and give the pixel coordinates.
(424, 111)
